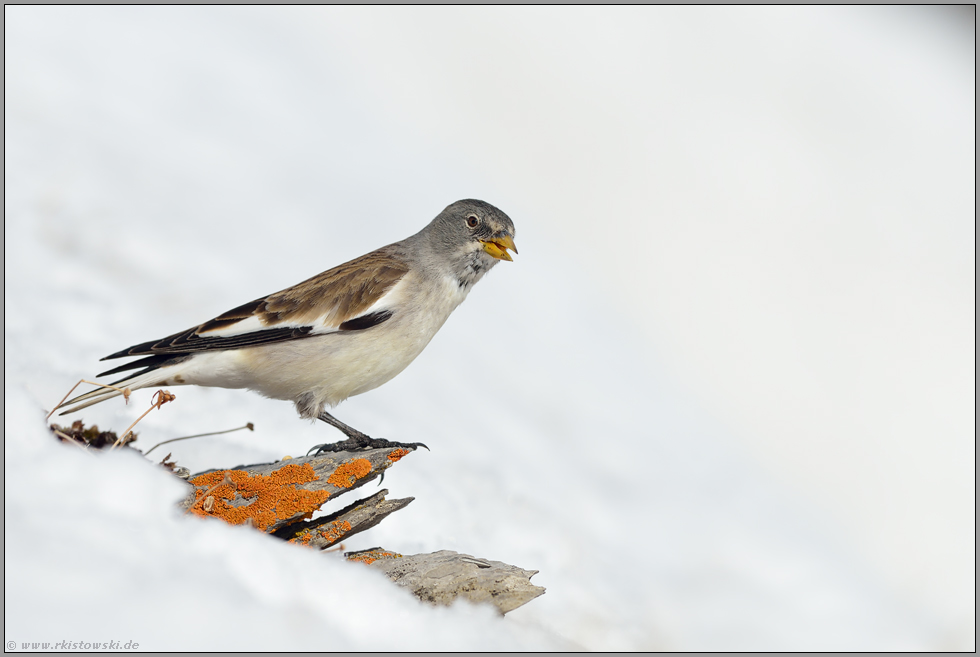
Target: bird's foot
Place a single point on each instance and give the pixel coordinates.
(355, 439)
(360, 442)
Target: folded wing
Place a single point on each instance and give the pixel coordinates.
(349, 297)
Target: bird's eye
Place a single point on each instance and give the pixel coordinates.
(472, 221)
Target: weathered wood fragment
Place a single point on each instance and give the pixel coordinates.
(362, 515)
(441, 577)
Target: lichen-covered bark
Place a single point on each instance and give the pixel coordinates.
(362, 515)
(272, 495)
(280, 499)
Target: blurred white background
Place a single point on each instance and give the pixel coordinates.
(740, 329)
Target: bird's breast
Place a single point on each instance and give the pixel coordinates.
(330, 368)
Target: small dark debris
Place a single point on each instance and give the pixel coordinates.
(91, 436)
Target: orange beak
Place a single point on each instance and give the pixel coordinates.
(497, 247)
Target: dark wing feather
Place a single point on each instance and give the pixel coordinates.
(366, 321)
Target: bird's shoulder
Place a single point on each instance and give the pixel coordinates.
(337, 295)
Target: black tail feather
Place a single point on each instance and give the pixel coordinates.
(135, 350)
(150, 362)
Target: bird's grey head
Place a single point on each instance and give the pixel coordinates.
(473, 236)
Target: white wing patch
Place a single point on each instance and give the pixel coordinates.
(394, 297)
(245, 326)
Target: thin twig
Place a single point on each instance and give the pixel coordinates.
(162, 397)
(249, 426)
(126, 392)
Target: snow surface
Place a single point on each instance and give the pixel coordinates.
(164, 165)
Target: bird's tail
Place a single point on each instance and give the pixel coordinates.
(144, 379)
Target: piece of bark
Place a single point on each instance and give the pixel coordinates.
(280, 498)
(270, 496)
(360, 516)
(440, 577)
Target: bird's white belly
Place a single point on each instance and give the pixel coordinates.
(324, 370)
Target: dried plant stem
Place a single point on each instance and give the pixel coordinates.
(161, 397)
(126, 392)
(249, 426)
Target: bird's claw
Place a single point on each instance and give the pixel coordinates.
(359, 443)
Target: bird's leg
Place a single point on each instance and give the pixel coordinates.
(355, 439)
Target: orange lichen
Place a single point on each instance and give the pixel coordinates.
(270, 498)
(331, 534)
(397, 454)
(345, 475)
(370, 556)
(336, 531)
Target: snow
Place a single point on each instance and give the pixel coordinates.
(163, 165)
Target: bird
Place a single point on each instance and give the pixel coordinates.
(338, 334)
